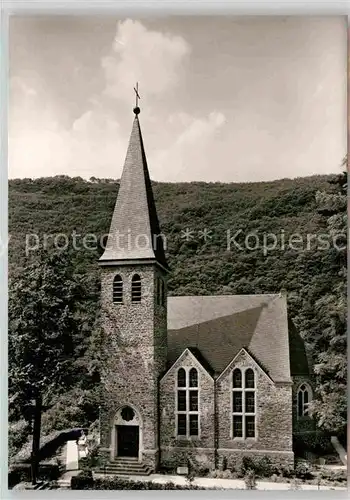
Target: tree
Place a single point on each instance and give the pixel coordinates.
(330, 406)
(44, 328)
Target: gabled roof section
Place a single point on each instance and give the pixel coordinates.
(220, 326)
(243, 352)
(134, 231)
(192, 353)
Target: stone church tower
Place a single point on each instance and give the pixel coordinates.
(134, 316)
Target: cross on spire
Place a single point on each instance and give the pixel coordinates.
(137, 96)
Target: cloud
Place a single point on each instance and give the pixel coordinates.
(155, 59)
(95, 143)
(194, 145)
(214, 111)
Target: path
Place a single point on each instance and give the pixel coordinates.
(230, 484)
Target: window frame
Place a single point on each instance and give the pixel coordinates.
(121, 291)
(135, 280)
(308, 389)
(243, 414)
(188, 389)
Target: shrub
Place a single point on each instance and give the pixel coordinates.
(226, 474)
(18, 433)
(213, 473)
(221, 474)
(117, 483)
(315, 442)
(18, 473)
(83, 481)
(295, 484)
(333, 475)
(303, 471)
(202, 471)
(287, 472)
(261, 466)
(250, 480)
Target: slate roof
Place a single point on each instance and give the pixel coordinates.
(135, 212)
(217, 327)
(299, 362)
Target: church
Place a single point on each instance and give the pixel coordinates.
(200, 380)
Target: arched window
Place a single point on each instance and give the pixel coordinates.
(243, 404)
(249, 379)
(193, 377)
(118, 289)
(181, 378)
(237, 378)
(136, 288)
(187, 406)
(304, 398)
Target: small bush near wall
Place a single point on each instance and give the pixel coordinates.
(23, 472)
(339, 476)
(250, 480)
(85, 481)
(261, 466)
(125, 484)
(303, 471)
(18, 473)
(315, 442)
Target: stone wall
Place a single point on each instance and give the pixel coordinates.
(135, 355)
(177, 449)
(273, 433)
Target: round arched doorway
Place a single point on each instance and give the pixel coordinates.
(126, 433)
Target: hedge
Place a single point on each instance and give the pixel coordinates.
(85, 481)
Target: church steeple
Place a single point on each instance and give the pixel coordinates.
(134, 231)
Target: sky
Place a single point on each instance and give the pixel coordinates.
(228, 99)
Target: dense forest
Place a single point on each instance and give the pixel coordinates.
(215, 236)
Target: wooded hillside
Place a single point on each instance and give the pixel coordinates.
(209, 214)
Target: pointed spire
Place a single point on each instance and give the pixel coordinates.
(134, 232)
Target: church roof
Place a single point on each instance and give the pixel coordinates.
(218, 327)
(298, 357)
(134, 231)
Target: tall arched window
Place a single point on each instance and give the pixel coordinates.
(181, 378)
(187, 406)
(243, 404)
(118, 289)
(193, 377)
(304, 398)
(136, 288)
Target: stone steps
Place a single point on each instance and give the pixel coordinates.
(125, 467)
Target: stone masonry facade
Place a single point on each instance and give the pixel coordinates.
(136, 344)
(273, 433)
(176, 450)
(144, 349)
(215, 443)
